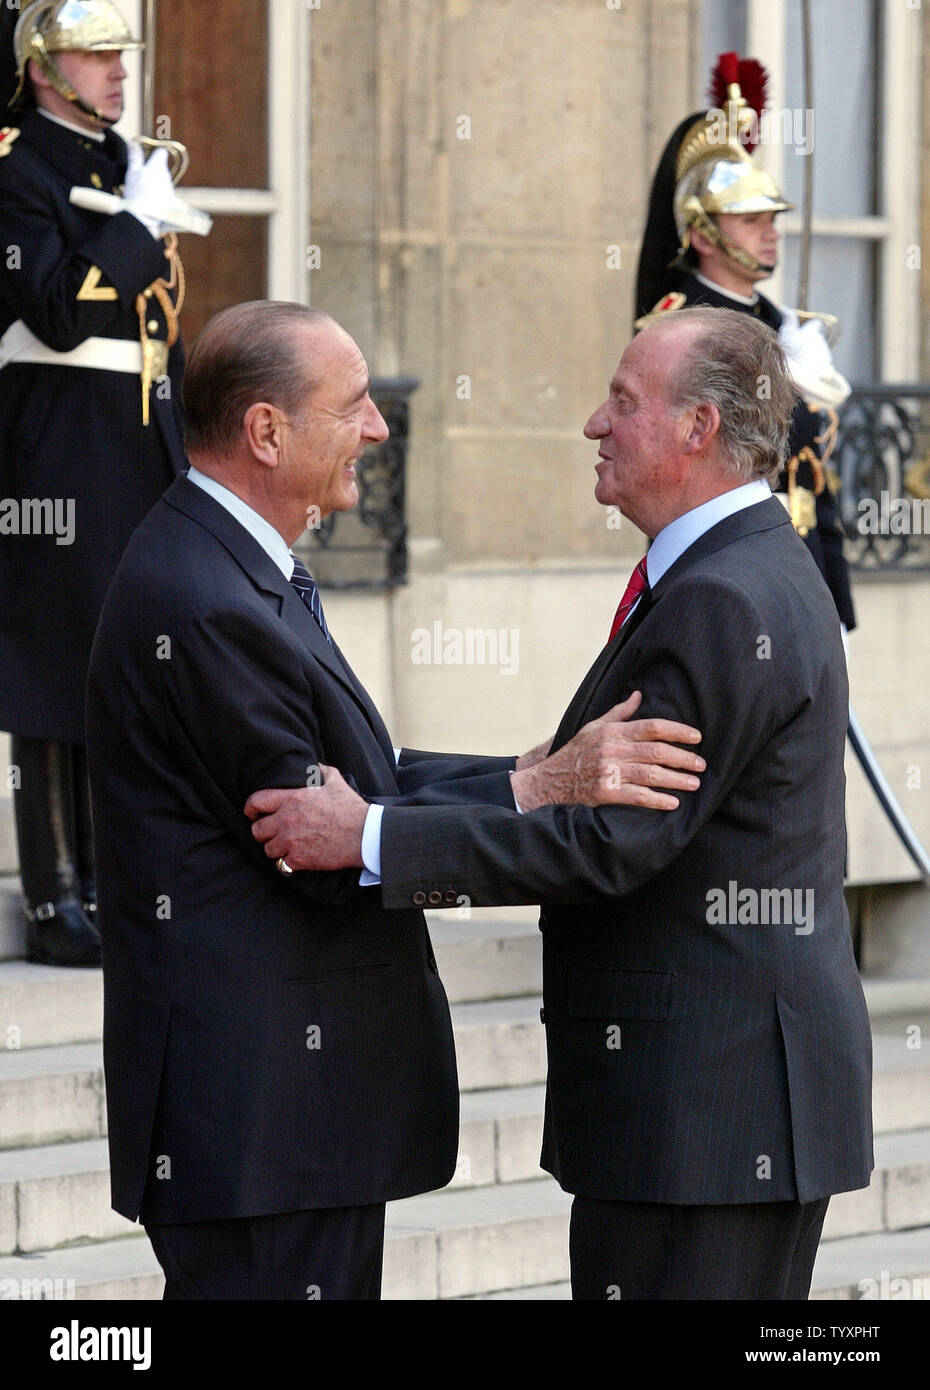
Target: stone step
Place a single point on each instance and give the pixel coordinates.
(49, 1006)
(111, 1270)
(885, 1267)
(898, 1196)
(499, 1043)
(442, 1245)
(51, 1095)
(901, 1053)
(494, 953)
(549, 1292)
(12, 922)
(59, 1194)
(451, 1244)
(890, 997)
(476, 1247)
(890, 1266)
(9, 856)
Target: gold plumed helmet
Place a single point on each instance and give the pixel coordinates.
(58, 26)
(714, 172)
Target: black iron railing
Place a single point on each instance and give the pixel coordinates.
(882, 460)
(367, 547)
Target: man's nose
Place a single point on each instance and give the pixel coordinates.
(596, 427)
(119, 71)
(375, 428)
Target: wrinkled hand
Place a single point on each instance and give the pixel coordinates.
(534, 756)
(615, 760)
(310, 827)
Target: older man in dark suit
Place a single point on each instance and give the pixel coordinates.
(278, 1047)
(709, 1047)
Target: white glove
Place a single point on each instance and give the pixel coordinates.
(148, 192)
(810, 362)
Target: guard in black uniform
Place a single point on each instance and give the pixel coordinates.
(710, 237)
(90, 429)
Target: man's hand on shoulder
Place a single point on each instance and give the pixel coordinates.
(614, 760)
(310, 827)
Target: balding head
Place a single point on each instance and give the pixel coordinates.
(734, 362)
(256, 351)
(700, 403)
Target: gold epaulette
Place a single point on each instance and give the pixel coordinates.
(8, 134)
(673, 300)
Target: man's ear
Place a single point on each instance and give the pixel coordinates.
(261, 428)
(703, 429)
(702, 245)
(36, 75)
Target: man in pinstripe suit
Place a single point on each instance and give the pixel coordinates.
(709, 1047)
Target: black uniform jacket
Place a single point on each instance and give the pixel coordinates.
(707, 1033)
(270, 1043)
(71, 433)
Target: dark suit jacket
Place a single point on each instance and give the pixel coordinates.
(693, 1060)
(270, 1043)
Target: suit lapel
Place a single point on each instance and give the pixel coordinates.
(574, 716)
(762, 516)
(267, 577)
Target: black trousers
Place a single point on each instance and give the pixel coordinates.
(329, 1253)
(653, 1250)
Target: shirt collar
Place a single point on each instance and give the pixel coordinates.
(97, 135)
(270, 540)
(675, 538)
(728, 294)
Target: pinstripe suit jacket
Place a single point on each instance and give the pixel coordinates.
(707, 1033)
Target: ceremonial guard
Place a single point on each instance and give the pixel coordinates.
(710, 238)
(90, 430)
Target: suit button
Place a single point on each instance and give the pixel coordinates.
(542, 922)
(542, 1015)
(435, 898)
(419, 898)
(432, 965)
(450, 896)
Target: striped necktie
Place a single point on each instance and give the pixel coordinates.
(307, 588)
(639, 581)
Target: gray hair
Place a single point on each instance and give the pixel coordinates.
(248, 353)
(735, 362)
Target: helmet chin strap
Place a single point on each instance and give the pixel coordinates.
(741, 257)
(705, 224)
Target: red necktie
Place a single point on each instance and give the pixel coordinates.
(638, 581)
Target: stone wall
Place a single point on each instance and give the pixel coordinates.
(477, 197)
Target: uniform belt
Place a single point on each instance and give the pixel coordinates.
(20, 344)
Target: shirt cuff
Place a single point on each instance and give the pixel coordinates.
(513, 794)
(371, 847)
